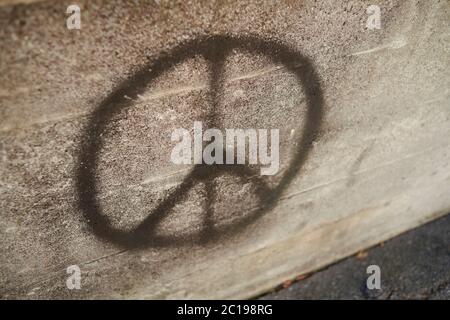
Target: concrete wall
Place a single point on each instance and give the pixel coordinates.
(86, 118)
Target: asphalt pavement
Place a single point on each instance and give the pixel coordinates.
(414, 265)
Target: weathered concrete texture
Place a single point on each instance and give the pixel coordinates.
(414, 265)
(86, 117)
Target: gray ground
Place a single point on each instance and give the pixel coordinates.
(415, 265)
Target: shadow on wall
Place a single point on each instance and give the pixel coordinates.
(214, 49)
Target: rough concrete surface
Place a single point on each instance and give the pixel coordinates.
(86, 117)
(414, 265)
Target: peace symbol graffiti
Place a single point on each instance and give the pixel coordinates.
(214, 49)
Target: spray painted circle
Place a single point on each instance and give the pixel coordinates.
(214, 49)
